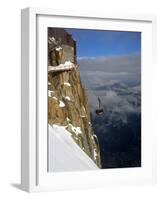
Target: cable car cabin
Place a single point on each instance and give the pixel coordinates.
(99, 111)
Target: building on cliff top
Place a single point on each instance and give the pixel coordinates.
(61, 47)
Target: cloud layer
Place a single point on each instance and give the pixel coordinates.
(99, 71)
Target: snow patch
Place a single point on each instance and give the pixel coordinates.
(65, 154)
(95, 154)
(76, 130)
(58, 48)
(49, 93)
(52, 39)
(68, 84)
(83, 116)
(68, 62)
(68, 98)
(68, 119)
(61, 104)
(55, 98)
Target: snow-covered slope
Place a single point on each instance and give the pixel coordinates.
(64, 153)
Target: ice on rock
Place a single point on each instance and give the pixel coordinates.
(61, 104)
(58, 48)
(68, 98)
(68, 84)
(49, 93)
(55, 98)
(76, 130)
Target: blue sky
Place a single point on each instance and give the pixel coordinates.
(95, 43)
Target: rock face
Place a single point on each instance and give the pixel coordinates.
(68, 107)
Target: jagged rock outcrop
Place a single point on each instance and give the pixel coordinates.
(68, 107)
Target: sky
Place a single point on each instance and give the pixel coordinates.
(97, 43)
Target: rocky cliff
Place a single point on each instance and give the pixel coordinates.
(67, 99)
(68, 106)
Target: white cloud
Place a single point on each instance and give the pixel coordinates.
(99, 71)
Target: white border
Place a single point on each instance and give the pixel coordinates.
(34, 175)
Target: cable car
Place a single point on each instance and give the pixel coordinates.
(99, 111)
